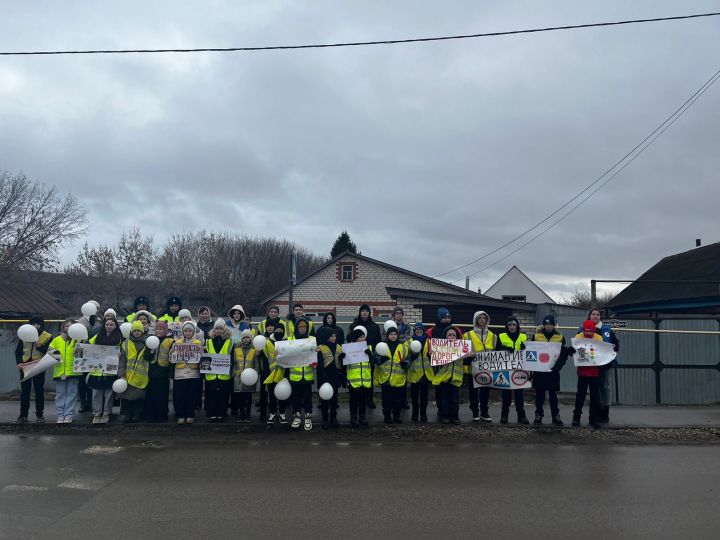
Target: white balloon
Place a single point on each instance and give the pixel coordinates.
(415, 346)
(77, 332)
(326, 391)
(249, 377)
(125, 329)
(382, 349)
(389, 324)
(89, 309)
(152, 342)
(259, 343)
(27, 333)
(283, 390)
(119, 386)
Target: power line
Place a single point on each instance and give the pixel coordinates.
(650, 139)
(364, 43)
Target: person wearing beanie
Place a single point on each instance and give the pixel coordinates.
(172, 310)
(549, 382)
(134, 367)
(263, 360)
(141, 303)
(329, 370)
(588, 378)
(359, 380)
(110, 313)
(66, 380)
(608, 336)
(390, 375)
(32, 352)
(272, 314)
(100, 383)
(298, 312)
(301, 381)
(187, 379)
(276, 374)
(448, 379)
(512, 339)
(185, 315)
(219, 387)
(158, 390)
(205, 322)
(482, 339)
(245, 358)
(420, 374)
(373, 336)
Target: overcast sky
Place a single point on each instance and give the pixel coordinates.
(430, 155)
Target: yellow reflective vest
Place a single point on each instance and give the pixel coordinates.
(360, 375)
(478, 344)
(276, 373)
(510, 344)
(67, 353)
(136, 368)
(391, 371)
(244, 359)
(30, 350)
(225, 349)
(421, 366)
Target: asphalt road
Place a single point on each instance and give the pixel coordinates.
(263, 485)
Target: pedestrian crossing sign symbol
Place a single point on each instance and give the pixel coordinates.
(531, 356)
(501, 379)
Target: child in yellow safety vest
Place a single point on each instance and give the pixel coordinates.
(158, 390)
(448, 380)
(33, 352)
(330, 371)
(134, 367)
(275, 375)
(482, 339)
(219, 386)
(390, 375)
(66, 380)
(245, 358)
(420, 374)
(187, 381)
(512, 339)
(359, 380)
(301, 381)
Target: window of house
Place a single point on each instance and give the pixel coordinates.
(347, 272)
(514, 297)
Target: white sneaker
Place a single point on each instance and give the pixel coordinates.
(271, 418)
(283, 419)
(60, 420)
(308, 422)
(104, 419)
(96, 419)
(68, 420)
(296, 421)
(486, 418)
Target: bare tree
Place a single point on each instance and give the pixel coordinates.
(34, 221)
(583, 299)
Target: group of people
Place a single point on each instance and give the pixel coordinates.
(148, 372)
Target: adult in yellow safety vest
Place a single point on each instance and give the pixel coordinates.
(141, 303)
(449, 378)
(512, 339)
(482, 340)
(390, 375)
(134, 368)
(32, 352)
(549, 381)
(101, 383)
(301, 381)
(171, 313)
(66, 380)
(420, 374)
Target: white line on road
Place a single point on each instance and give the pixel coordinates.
(89, 484)
(16, 488)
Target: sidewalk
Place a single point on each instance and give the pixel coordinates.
(620, 416)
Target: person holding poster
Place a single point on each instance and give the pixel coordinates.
(187, 379)
(66, 380)
(301, 381)
(172, 309)
(218, 387)
(549, 381)
(101, 384)
(158, 390)
(244, 358)
(588, 378)
(359, 380)
(134, 367)
(420, 374)
(329, 370)
(276, 374)
(608, 336)
(32, 352)
(390, 375)
(372, 336)
(448, 379)
(512, 340)
(482, 340)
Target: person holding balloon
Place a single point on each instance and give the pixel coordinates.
(100, 383)
(277, 398)
(420, 373)
(217, 386)
(32, 345)
(133, 368)
(359, 380)
(329, 374)
(158, 389)
(187, 379)
(391, 360)
(244, 358)
(301, 382)
(66, 380)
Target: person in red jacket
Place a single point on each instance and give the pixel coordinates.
(588, 378)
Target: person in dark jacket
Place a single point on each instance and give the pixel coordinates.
(512, 340)
(372, 337)
(158, 390)
(28, 352)
(329, 370)
(549, 381)
(329, 321)
(608, 336)
(171, 313)
(141, 303)
(205, 321)
(99, 383)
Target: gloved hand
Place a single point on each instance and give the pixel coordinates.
(341, 356)
(571, 350)
(522, 346)
(369, 353)
(314, 365)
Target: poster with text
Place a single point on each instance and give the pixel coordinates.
(500, 369)
(355, 353)
(90, 358)
(444, 351)
(296, 352)
(216, 364)
(185, 353)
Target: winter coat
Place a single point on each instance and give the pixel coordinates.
(373, 330)
(550, 380)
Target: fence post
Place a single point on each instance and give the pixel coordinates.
(657, 365)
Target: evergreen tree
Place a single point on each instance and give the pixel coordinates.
(343, 244)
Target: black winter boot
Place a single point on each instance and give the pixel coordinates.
(504, 417)
(522, 419)
(414, 416)
(576, 419)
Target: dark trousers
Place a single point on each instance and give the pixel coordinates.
(217, 393)
(449, 404)
(185, 397)
(391, 400)
(134, 409)
(84, 394)
(518, 396)
(242, 403)
(419, 395)
(156, 399)
(199, 392)
(358, 401)
(329, 407)
(479, 397)
(540, 402)
(583, 384)
(275, 405)
(37, 383)
(263, 399)
(301, 396)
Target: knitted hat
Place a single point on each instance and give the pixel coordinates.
(356, 334)
(188, 323)
(245, 333)
(184, 313)
(219, 323)
(588, 325)
(549, 319)
(391, 330)
(137, 325)
(362, 329)
(443, 313)
(110, 312)
(419, 325)
(162, 325)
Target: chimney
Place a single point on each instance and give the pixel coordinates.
(467, 282)
(698, 242)
(479, 290)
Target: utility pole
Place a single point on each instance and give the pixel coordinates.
(293, 280)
